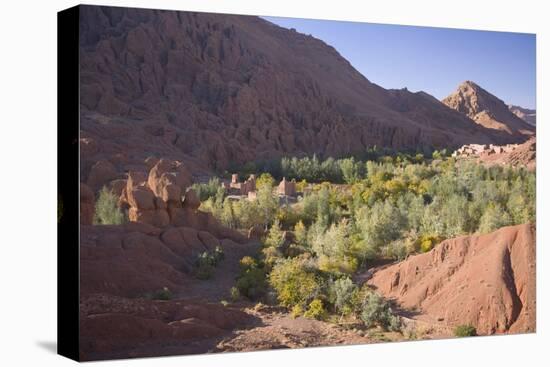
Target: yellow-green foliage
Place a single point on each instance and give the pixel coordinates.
(296, 311)
(106, 209)
(251, 282)
(293, 282)
(316, 310)
(427, 242)
(301, 185)
(287, 216)
(265, 179)
(465, 330)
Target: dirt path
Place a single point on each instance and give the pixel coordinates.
(279, 330)
(274, 328)
(218, 287)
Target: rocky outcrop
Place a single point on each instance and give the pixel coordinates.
(214, 90)
(122, 267)
(116, 327)
(488, 111)
(163, 197)
(484, 280)
(101, 173)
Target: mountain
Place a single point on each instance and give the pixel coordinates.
(487, 281)
(527, 115)
(487, 110)
(214, 90)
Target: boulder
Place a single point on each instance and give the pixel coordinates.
(100, 174)
(208, 240)
(141, 198)
(116, 186)
(191, 200)
(155, 217)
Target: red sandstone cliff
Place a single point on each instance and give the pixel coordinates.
(213, 89)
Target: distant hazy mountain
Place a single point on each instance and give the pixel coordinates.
(487, 110)
(529, 116)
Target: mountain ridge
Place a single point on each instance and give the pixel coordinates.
(216, 90)
(487, 110)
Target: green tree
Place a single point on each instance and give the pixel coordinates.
(265, 179)
(300, 234)
(275, 236)
(350, 170)
(377, 311)
(378, 226)
(267, 204)
(494, 218)
(342, 292)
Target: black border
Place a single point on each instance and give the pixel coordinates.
(68, 186)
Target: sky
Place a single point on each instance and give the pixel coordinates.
(434, 60)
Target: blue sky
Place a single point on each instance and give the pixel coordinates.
(434, 60)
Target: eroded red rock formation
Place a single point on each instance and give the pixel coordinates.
(214, 90)
(484, 280)
(488, 111)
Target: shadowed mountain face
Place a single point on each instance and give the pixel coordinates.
(526, 114)
(487, 110)
(212, 89)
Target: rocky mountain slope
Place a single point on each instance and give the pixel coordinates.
(212, 90)
(526, 114)
(484, 280)
(488, 111)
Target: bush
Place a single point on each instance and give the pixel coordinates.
(341, 292)
(106, 210)
(208, 190)
(297, 310)
(207, 261)
(316, 310)
(427, 242)
(235, 294)
(377, 311)
(251, 282)
(163, 294)
(294, 284)
(465, 330)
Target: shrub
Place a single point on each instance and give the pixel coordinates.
(251, 282)
(163, 294)
(275, 236)
(377, 311)
(297, 310)
(207, 261)
(294, 284)
(427, 242)
(342, 291)
(235, 294)
(207, 190)
(315, 310)
(465, 330)
(106, 210)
